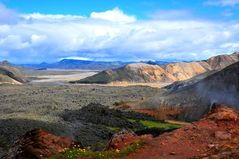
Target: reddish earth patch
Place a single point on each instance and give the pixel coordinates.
(214, 136)
(163, 113)
(39, 144)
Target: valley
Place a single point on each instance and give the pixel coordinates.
(52, 102)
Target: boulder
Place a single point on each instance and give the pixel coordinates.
(125, 138)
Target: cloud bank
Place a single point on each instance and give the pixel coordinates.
(223, 3)
(112, 35)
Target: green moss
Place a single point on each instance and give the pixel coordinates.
(78, 152)
(113, 129)
(153, 124)
(156, 124)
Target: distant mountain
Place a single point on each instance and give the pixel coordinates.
(152, 72)
(10, 74)
(78, 64)
(138, 72)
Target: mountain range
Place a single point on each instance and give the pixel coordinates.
(190, 100)
(85, 64)
(145, 73)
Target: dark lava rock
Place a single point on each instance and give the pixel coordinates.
(153, 131)
(94, 136)
(102, 115)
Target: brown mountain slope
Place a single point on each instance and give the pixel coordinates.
(140, 72)
(10, 74)
(192, 101)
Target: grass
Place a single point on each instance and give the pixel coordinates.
(80, 153)
(156, 124)
(113, 129)
(148, 124)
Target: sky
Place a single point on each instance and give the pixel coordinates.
(35, 31)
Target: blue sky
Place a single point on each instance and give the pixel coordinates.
(140, 8)
(32, 31)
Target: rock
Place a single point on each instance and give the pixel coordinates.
(39, 144)
(172, 153)
(221, 112)
(223, 135)
(211, 146)
(125, 138)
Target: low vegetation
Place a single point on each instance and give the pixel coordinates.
(77, 152)
(156, 124)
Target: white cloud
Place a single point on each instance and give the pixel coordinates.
(113, 35)
(230, 45)
(115, 15)
(75, 58)
(38, 17)
(7, 16)
(171, 14)
(223, 2)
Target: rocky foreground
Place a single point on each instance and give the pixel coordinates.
(214, 136)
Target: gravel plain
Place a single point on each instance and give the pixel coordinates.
(29, 106)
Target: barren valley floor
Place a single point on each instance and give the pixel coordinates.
(25, 107)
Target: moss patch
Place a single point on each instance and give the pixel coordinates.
(156, 124)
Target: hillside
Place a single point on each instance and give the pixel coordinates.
(144, 73)
(10, 74)
(213, 136)
(191, 100)
(139, 72)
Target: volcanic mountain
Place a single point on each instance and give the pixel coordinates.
(190, 100)
(10, 74)
(144, 73)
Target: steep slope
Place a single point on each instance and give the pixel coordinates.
(191, 101)
(10, 74)
(214, 136)
(141, 72)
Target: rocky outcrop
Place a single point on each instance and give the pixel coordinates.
(146, 73)
(214, 136)
(10, 74)
(125, 138)
(39, 144)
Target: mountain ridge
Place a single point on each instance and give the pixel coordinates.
(143, 72)
(10, 74)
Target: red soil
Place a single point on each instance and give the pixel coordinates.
(38, 144)
(214, 136)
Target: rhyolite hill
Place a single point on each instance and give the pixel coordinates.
(145, 73)
(191, 100)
